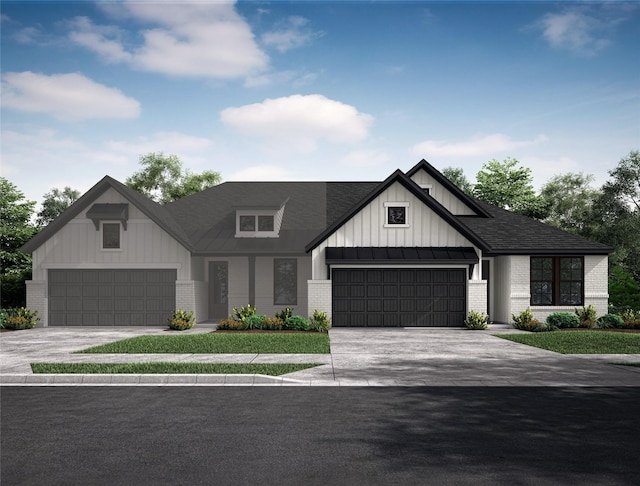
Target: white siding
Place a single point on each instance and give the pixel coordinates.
(143, 245)
(442, 194)
(367, 228)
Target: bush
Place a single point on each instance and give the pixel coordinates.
(20, 318)
(563, 320)
(630, 315)
(230, 325)
(3, 318)
(181, 320)
(632, 324)
(536, 326)
(522, 319)
(609, 321)
(244, 312)
(477, 320)
(254, 321)
(296, 323)
(587, 316)
(272, 324)
(284, 314)
(319, 322)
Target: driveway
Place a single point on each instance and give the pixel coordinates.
(369, 357)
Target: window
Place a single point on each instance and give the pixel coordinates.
(396, 214)
(265, 223)
(110, 236)
(285, 281)
(256, 225)
(247, 223)
(557, 281)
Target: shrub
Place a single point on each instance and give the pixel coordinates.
(181, 320)
(243, 313)
(609, 321)
(536, 326)
(319, 322)
(630, 315)
(254, 321)
(522, 319)
(230, 325)
(631, 324)
(587, 316)
(272, 324)
(284, 314)
(477, 320)
(20, 318)
(3, 318)
(563, 320)
(296, 323)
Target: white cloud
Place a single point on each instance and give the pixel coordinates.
(584, 30)
(478, 145)
(261, 173)
(186, 40)
(69, 96)
(290, 34)
(299, 122)
(366, 158)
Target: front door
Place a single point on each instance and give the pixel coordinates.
(218, 290)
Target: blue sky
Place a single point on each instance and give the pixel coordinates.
(312, 90)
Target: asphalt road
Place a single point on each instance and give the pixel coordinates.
(319, 436)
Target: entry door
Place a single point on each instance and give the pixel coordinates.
(218, 290)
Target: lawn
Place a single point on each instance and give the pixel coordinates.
(220, 343)
(272, 369)
(588, 342)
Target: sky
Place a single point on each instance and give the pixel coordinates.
(315, 90)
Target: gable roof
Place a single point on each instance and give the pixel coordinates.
(150, 208)
(397, 177)
(467, 200)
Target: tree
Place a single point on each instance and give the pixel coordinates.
(163, 179)
(508, 186)
(55, 202)
(15, 230)
(456, 175)
(568, 200)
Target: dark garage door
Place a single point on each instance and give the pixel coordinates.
(395, 297)
(111, 297)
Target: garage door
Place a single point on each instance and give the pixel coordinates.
(111, 297)
(399, 297)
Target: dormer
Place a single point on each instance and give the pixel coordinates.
(259, 222)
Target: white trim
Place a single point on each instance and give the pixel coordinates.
(404, 205)
(428, 188)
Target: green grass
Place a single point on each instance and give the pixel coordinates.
(637, 365)
(273, 369)
(217, 343)
(588, 342)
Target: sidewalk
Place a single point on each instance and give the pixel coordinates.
(359, 357)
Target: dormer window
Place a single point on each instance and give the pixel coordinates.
(252, 224)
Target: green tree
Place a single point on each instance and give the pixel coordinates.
(509, 186)
(15, 230)
(568, 199)
(624, 290)
(55, 202)
(456, 175)
(163, 179)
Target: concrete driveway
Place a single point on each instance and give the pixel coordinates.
(359, 357)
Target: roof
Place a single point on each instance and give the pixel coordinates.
(394, 255)
(205, 223)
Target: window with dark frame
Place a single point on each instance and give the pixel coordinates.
(396, 215)
(557, 281)
(265, 223)
(285, 281)
(247, 223)
(110, 236)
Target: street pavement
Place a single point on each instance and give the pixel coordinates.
(359, 357)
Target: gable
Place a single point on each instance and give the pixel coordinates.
(442, 194)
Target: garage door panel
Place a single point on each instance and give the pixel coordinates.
(111, 297)
(406, 297)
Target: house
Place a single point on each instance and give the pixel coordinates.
(413, 250)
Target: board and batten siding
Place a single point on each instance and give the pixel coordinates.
(442, 194)
(367, 228)
(143, 245)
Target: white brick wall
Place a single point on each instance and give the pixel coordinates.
(186, 296)
(37, 300)
(319, 296)
(477, 299)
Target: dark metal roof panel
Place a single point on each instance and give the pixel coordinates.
(399, 255)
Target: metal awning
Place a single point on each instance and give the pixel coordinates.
(109, 212)
(397, 255)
